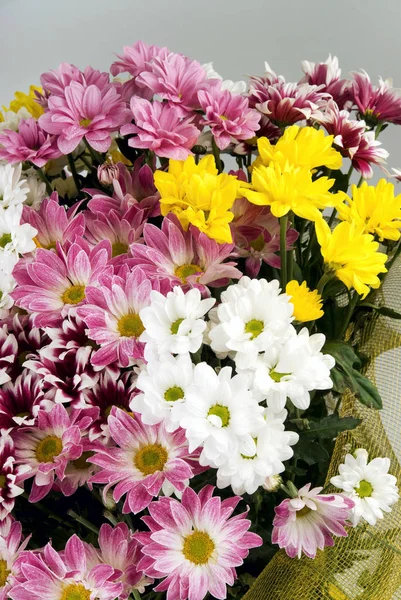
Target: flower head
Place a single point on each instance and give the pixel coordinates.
(11, 547)
(15, 238)
(8, 354)
(309, 521)
(20, 400)
(27, 101)
(307, 303)
(12, 477)
(376, 104)
(327, 76)
(30, 144)
(13, 189)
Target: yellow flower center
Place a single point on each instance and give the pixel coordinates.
(81, 463)
(198, 547)
(277, 376)
(365, 489)
(130, 326)
(185, 271)
(74, 295)
(254, 327)
(118, 248)
(174, 393)
(222, 412)
(150, 459)
(259, 243)
(85, 122)
(174, 326)
(303, 512)
(223, 117)
(48, 449)
(3, 481)
(75, 591)
(5, 239)
(4, 573)
(108, 409)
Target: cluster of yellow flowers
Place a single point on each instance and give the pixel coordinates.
(27, 101)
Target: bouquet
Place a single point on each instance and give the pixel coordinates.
(188, 269)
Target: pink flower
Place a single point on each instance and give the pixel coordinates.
(47, 447)
(195, 544)
(376, 104)
(11, 547)
(228, 115)
(12, 478)
(20, 400)
(90, 111)
(327, 76)
(54, 223)
(309, 521)
(79, 471)
(159, 127)
(107, 172)
(54, 82)
(8, 353)
(148, 459)
(68, 574)
(186, 257)
(29, 144)
(119, 548)
(55, 280)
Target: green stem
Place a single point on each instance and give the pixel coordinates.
(283, 250)
(96, 156)
(83, 521)
(332, 217)
(325, 278)
(74, 172)
(43, 177)
(216, 154)
(45, 510)
(347, 320)
(379, 127)
(360, 181)
(86, 162)
(290, 253)
(394, 257)
(136, 594)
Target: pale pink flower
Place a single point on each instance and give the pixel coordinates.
(20, 400)
(195, 544)
(310, 520)
(161, 128)
(54, 82)
(187, 258)
(148, 459)
(327, 75)
(67, 574)
(376, 104)
(11, 547)
(30, 143)
(107, 172)
(12, 478)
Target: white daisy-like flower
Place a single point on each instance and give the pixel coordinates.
(8, 260)
(15, 237)
(13, 119)
(7, 284)
(235, 87)
(221, 414)
(175, 321)
(252, 316)
(36, 189)
(368, 484)
(13, 190)
(164, 384)
(246, 473)
(292, 370)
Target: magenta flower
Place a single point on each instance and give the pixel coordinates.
(55, 280)
(12, 478)
(309, 521)
(112, 315)
(20, 400)
(119, 548)
(187, 258)
(195, 544)
(78, 472)
(11, 547)
(327, 76)
(228, 115)
(148, 459)
(68, 574)
(30, 144)
(376, 104)
(54, 223)
(8, 353)
(47, 447)
(159, 127)
(90, 111)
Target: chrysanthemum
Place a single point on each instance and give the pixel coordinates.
(161, 128)
(7, 284)
(27, 101)
(11, 546)
(8, 353)
(20, 400)
(369, 485)
(15, 238)
(327, 76)
(187, 258)
(55, 280)
(68, 575)
(47, 447)
(352, 255)
(78, 472)
(148, 459)
(307, 303)
(12, 477)
(11, 120)
(197, 194)
(376, 104)
(36, 189)
(13, 189)
(375, 208)
(30, 144)
(195, 545)
(55, 82)
(309, 521)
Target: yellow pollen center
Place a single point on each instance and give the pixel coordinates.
(130, 326)
(74, 295)
(108, 410)
(365, 489)
(258, 244)
(118, 248)
(75, 591)
(175, 326)
(81, 463)
(4, 573)
(303, 512)
(254, 327)
(277, 377)
(223, 117)
(185, 271)
(174, 393)
(198, 547)
(222, 412)
(48, 449)
(3, 481)
(150, 459)
(5, 239)
(85, 122)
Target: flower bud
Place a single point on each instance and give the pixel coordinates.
(273, 483)
(107, 172)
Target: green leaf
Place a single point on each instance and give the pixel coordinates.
(382, 310)
(346, 375)
(329, 427)
(310, 453)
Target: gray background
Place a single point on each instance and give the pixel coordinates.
(238, 35)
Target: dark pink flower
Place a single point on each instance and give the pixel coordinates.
(376, 104)
(20, 400)
(12, 479)
(30, 144)
(8, 353)
(327, 76)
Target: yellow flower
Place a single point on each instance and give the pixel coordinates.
(290, 188)
(376, 209)
(301, 147)
(307, 303)
(198, 195)
(27, 101)
(1, 118)
(352, 255)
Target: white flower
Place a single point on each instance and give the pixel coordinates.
(292, 370)
(273, 483)
(235, 87)
(175, 321)
(13, 119)
(164, 384)
(15, 237)
(7, 284)
(219, 413)
(246, 473)
(65, 187)
(368, 484)
(251, 317)
(8, 260)
(36, 189)
(12, 188)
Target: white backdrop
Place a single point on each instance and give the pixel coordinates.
(238, 35)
